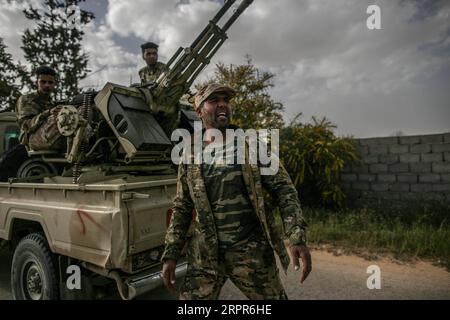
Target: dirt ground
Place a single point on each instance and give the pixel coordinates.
(339, 276)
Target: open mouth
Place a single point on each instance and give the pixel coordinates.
(222, 116)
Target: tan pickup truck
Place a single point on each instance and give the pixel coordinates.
(114, 229)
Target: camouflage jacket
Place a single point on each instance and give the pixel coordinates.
(32, 110)
(148, 74)
(203, 246)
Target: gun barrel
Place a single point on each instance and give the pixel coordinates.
(244, 4)
(214, 21)
(180, 50)
(222, 10)
(187, 63)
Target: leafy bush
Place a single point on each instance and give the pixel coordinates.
(314, 157)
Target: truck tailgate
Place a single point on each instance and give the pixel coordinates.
(147, 204)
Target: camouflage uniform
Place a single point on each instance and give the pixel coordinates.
(37, 122)
(225, 249)
(151, 74)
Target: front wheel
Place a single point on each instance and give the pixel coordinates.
(33, 272)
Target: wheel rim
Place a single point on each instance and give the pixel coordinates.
(35, 168)
(32, 283)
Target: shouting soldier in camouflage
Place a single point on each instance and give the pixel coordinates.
(36, 114)
(154, 68)
(233, 237)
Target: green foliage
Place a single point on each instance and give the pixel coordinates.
(421, 232)
(56, 42)
(314, 157)
(9, 72)
(252, 106)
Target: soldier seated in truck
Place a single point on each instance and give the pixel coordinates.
(44, 125)
(36, 114)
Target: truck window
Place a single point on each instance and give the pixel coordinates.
(11, 137)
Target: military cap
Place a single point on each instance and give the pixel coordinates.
(209, 89)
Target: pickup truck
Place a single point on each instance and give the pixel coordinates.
(109, 224)
(113, 228)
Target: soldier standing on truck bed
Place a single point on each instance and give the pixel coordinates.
(154, 68)
(233, 236)
(36, 114)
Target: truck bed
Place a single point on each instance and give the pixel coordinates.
(110, 224)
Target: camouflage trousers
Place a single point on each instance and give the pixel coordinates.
(47, 136)
(250, 266)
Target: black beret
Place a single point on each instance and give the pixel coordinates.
(149, 45)
(45, 70)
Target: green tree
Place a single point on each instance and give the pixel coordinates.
(56, 41)
(252, 106)
(9, 73)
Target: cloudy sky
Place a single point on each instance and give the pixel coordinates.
(326, 61)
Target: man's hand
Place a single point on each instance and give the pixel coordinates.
(168, 274)
(301, 251)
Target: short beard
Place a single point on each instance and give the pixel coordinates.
(218, 125)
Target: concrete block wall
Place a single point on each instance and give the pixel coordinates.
(400, 169)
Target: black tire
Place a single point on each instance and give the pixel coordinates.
(35, 167)
(34, 270)
(11, 161)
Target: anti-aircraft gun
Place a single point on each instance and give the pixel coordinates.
(131, 126)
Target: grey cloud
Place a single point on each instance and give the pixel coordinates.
(327, 63)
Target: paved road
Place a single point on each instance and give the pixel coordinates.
(333, 277)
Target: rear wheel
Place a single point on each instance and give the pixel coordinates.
(33, 272)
